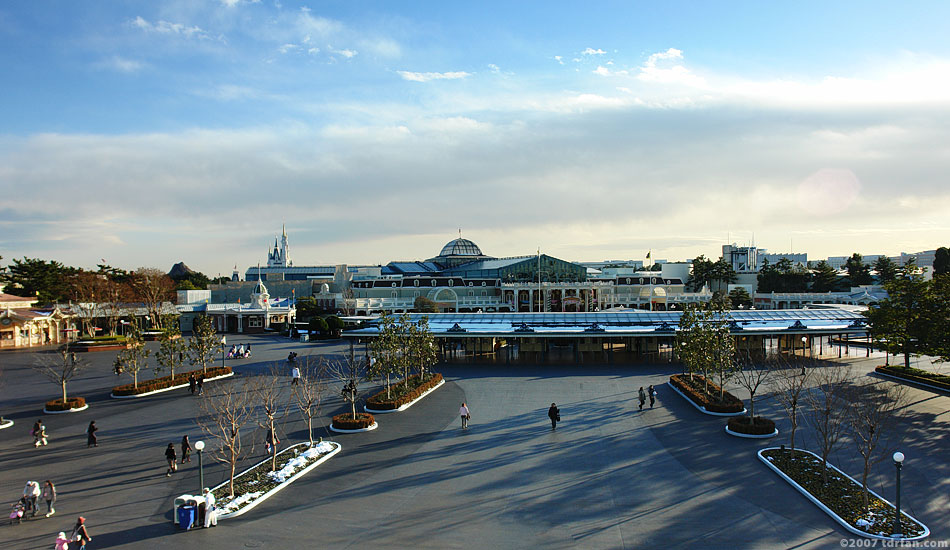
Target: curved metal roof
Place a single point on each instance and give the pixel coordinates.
(460, 247)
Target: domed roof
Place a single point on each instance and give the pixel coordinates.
(460, 247)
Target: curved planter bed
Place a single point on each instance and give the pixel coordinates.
(841, 521)
(752, 436)
(66, 411)
(702, 409)
(914, 381)
(369, 428)
(103, 347)
(248, 501)
(170, 388)
(407, 405)
(6, 423)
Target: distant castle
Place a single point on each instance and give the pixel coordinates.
(280, 257)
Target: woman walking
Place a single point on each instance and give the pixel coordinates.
(171, 457)
(652, 391)
(554, 414)
(49, 495)
(80, 534)
(643, 397)
(185, 449)
(91, 439)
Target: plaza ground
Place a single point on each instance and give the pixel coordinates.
(609, 477)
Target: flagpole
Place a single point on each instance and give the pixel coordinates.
(539, 279)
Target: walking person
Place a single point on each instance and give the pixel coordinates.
(80, 534)
(201, 383)
(172, 458)
(39, 434)
(643, 397)
(49, 495)
(185, 449)
(270, 441)
(192, 383)
(652, 392)
(466, 415)
(295, 373)
(554, 414)
(91, 439)
(62, 543)
(32, 492)
(211, 516)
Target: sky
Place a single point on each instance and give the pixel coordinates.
(147, 133)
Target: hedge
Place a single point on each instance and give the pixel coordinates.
(167, 381)
(345, 421)
(379, 402)
(71, 403)
(917, 375)
(693, 389)
(745, 425)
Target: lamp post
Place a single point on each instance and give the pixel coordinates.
(224, 342)
(804, 339)
(898, 462)
(199, 446)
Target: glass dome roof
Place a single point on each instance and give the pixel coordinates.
(460, 247)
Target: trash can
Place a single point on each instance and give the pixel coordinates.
(304, 337)
(186, 516)
(179, 502)
(201, 515)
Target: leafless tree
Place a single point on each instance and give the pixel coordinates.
(309, 390)
(62, 369)
(790, 386)
(152, 287)
(115, 293)
(88, 290)
(223, 416)
(350, 371)
(875, 409)
(270, 407)
(828, 407)
(751, 375)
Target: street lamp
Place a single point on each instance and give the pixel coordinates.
(224, 342)
(199, 446)
(804, 339)
(898, 462)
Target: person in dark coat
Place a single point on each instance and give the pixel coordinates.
(201, 383)
(643, 397)
(554, 414)
(172, 458)
(192, 383)
(91, 439)
(185, 449)
(651, 391)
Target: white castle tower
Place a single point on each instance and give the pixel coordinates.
(280, 256)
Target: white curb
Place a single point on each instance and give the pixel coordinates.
(369, 428)
(407, 405)
(170, 388)
(702, 409)
(914, 382)
(828, 511)
(752, 436)
(250, 505)
(67, 411)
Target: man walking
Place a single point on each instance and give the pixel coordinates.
(295, 373)
(643, 398)
(465, 414)
(554, 414)
(652, 391)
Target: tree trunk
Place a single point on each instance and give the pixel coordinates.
(231, 478)
(353, 408)
(64, 391)
(864, 485)
(752, 406)
(310, 428)
(135, 379)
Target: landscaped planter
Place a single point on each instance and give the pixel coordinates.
(258, 483)
(691, 391)
(72, 405)
(380, 404)
(843, 500)
(741, 426)
(100, 344)
(167, 383)
(345, 423)
(5, 423)
(917, 376)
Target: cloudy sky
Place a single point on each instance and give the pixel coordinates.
(146, 133)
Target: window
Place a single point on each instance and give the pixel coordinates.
(433, 282)
(415, 294)
(470, 284)
(486, 294)
(452, 283)
(395, 293)
(483, 284)
(416, 282)
(254, 322)
(394, 286)
(472, 293)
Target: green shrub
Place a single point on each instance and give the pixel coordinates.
(345, 421)
(917, 375)
(750, 426)
(403, 392)
(167, 381)
(693, 390)
(71, 403)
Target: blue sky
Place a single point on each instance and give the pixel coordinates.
(148, 133)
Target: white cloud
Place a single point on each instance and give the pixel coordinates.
(347, 53)
(592, 51)
(494, 68)
(288, 48)
(232, 3)
(663, 68)
(121, 64)
(169, 28)
(559, 59)
(426, 77)
(604, 71)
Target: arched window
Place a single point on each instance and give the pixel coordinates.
(416, 283)
(452, 283)
(433, 282)
(396, 293)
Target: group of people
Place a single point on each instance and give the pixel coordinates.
(196, 384)
(39, 434)
(171, 456)
(29, 501)
(239, 351)
(79, 536)
(642, 396)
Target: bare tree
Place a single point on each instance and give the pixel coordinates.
(134, 358)
(875, 409)
(62, 369)
(829, 409)
(308, 392)
(790, 387)
(114, 294)
(751, 375)
(349, 371)
(152, 287)
(204, 343)
(271, 409)
(88, 290)
(224, 415)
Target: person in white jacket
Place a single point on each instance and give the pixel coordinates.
(211, 516)
(465, 414)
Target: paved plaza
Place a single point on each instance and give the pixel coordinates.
(610, 476)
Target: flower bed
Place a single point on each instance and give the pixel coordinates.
(911, 374)
(258, 483)
(751, 426)
(842, 497)
(693, 390)
(403, 393)
(346, 421)
(72, 404)
(100, 343)
(167, 382)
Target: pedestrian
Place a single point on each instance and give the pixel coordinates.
(49, 495)
(295, 373)
(192, 383)
(466, 415)
(643, 397)
(211, 516)
(554, 414)
(652, 391)
(201, 383)
(80, 534)
(91, 439)
(172, 458)
(19, 508)
(62, 543)
(32, 493)
(39, 434)
(185, 449)
(271, 441)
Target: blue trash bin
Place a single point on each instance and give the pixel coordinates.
(187, 516)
